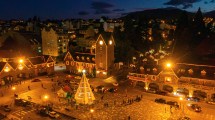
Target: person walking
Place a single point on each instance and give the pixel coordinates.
(29, 88)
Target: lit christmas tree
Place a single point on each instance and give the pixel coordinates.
(84, 94)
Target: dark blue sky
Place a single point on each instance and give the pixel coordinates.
(60, 9)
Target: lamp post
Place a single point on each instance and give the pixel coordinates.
(91, 112)
(181, 100)
(13, 89)
(46, 97)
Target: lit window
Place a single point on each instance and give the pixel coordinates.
(110, 42)
(101, 42)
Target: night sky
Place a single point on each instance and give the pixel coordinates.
(61, 9)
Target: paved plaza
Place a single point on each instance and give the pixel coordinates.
(107, 106)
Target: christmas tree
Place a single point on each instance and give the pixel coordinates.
(84, 94)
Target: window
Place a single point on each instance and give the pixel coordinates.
(101, 42)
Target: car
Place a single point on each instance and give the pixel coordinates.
(42, 111)
(36, 80)
(2, 116)
(184, 118)
(112, 90)
(211, 102)
(18, 101)
(173, 103)
(161, 92)
(151, 90)
(195, 99)
(53, 114)
(6, 108)
(160, 100)
(195, 107)
(25, 103)
(51, 76)
(77, 77)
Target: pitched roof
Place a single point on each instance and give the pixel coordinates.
(13, 65)
(105, 35)
(2, 64)
(36, 60)
(196, 71)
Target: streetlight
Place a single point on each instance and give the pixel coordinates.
(13, 88)
(91, 112)
(46, 97)
(21, 60)
(181, 99)
(168, 65)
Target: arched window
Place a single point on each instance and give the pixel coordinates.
(67, 62)
(203, 72)
(190, 71)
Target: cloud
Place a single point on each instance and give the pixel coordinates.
(206, 2)
(185, 6)
(118, 10)
(185, 3)
(212, 1)
(83, 13)
(102, 7)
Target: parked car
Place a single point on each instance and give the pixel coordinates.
(101, 89)
(211, 102)
(173, 103)
(196, 99)
(18, 101)
(2, 116)
(6, 108)
(195, 107)
(161, 92)
(151, 90)
(160, 100)
(77, 77)
(184, 118)
(36, 80)
(42, 111)
(112, 90)
(25, 103)
(54, 114)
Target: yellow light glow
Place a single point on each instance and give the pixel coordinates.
(101, 42)
(46, 97)
(20, 60)
(180, 98)
(110, 42)
(83, 71)
(91, 110)
(13, 88)
(104, 73)
(6, 69)
(175, 93)
(146, 88)
(79, 70)
(97, 71)
(168, 65)
(20, 67)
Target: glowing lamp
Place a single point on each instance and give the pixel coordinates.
(168, 65)
(110, 42)
(101, 42)
(20, 60)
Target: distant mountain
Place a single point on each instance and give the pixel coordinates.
(161, 13)
(210, 14)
